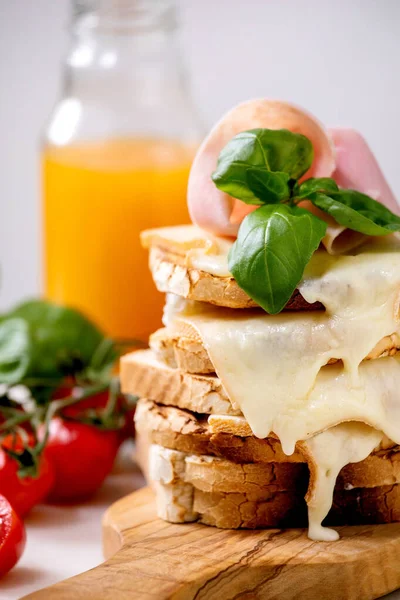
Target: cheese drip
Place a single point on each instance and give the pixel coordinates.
(329, 452)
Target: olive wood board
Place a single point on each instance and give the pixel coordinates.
(150, 559)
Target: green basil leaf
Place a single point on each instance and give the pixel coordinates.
(315, 184)
(274, 245)
(64, 341)
(277, 150)
(231, 178)
(15, 350)
(269, 187)
(357, 211)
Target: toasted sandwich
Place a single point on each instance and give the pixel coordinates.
(271, 396)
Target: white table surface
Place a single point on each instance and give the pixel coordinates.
(64, 541)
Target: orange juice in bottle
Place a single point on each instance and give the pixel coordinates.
(116, 161)
(97, 199)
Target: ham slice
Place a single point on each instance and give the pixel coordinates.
(358, 169)
(214, 210)
(339, 153)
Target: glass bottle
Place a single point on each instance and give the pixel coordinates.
(116, 158)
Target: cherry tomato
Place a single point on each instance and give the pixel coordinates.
(82, 456)
(23, 493)
(12, 536)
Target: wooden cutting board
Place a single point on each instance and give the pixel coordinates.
(150, 559)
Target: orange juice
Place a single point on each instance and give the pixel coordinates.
(98, 197)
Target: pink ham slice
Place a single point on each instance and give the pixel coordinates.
(341, 153)
(215, 211)
(358, 169)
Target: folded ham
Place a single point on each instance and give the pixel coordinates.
(339, 153)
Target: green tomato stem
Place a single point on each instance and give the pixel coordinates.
(10, 424)
(58, 405)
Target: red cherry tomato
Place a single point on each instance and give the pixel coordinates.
(23, 493)
(82, 456)
(12, 536)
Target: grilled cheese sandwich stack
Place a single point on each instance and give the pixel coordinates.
(271, 396)
(243, 413)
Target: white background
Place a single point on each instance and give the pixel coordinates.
(338, 58)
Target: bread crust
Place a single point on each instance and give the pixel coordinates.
(361, 506)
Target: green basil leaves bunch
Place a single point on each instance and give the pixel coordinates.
(41, 343)
(275, 242)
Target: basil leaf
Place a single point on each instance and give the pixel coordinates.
(253, 185)
(269, 187)
(274, 245)
(231, 178)
(63, 341)
(15, 350)
(315, 184)
(357, 211)
(277, 150)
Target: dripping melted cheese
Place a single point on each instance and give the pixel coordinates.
(329, 452)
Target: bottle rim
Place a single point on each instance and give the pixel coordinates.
(121, 16)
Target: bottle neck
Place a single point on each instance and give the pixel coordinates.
(124, 75)
(125, 35)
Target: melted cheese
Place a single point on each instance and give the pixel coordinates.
(329, 452)
(273, 366)
(180, 239)
(200, 249)
(269, 364)
(174, 305)
(215, 263)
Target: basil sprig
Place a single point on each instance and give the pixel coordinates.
(276, 242)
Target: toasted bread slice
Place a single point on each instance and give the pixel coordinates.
(188, 432)
(211, 474)
(231, 496)
(186, 352)
(181, 352)
(360, 506)
(179, 501)
(167, 475)
(172, 275)
(143, 375)
(239, 510)
(233, 460)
